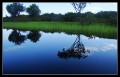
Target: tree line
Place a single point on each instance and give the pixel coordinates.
(105, 17)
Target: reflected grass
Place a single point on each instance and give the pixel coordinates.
(100, 30)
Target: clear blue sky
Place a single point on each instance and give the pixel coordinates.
(64, 7)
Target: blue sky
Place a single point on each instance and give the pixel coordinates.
(64, 7)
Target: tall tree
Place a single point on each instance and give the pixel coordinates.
(33, 10)
(79, 6)
(15, 9)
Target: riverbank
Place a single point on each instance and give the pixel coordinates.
(68, 27)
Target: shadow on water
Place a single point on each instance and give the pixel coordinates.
(17, 37)
(77, 50)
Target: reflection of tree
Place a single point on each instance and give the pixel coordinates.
(34, 36)
(77, 50)
(16, 37)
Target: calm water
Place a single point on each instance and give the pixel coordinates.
(33, 52)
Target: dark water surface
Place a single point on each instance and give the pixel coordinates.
(38, 52)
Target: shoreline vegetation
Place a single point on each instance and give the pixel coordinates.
(100, 30)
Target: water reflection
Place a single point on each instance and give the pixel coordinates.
(34, 36)
(77, 50)
(17, 38)
(101, 56)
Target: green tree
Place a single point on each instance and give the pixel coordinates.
(33, 10)
(88, 18)
(107, 17)
(15, 9)
(69, 17)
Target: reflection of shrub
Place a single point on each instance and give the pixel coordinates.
(69, 54)
(74, 52)
(77, 50)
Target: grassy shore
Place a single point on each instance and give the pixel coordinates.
(68, 27)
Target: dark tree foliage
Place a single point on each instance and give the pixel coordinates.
(88, 18)
(69, 17)
(109, 17)
(33, 10)
(104, 17)
(15, 9)
(51, 17)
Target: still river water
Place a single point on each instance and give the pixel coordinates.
(38, 52)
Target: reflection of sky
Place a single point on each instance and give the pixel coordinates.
(12, 48)
(99, 44)
(6, 34)
(106, 47)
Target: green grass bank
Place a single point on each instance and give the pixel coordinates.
(100, 30)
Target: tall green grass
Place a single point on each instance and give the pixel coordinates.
(100, 30)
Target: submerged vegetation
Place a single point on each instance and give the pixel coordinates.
(100, 30)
